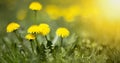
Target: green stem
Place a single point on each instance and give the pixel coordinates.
(19, 38)
(49, 43)
(32, 46)
(35, 14)
(36, 41)
(61, 41)
(22, 44)
(46, 38)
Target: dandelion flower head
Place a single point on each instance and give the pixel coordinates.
(35, 6)
(73, 11)
(44, 29)
(30, 37)
(62, 32)
(53, 11)
(12, 27)
(33, 29)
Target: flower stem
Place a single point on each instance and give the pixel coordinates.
(61, 41)
(46, 38)
(36, 41)
(35, 14)
(23, 48)
(19, 38)
(32, 46)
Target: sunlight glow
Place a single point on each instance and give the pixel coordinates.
(110, 8)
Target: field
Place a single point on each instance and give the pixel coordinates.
(59, 31)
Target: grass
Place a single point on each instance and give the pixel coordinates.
(73, 50)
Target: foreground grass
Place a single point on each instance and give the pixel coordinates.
(74, 50)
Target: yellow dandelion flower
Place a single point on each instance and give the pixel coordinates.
(30, 37)
(21, 14)
(53, 11)
(73, 11)
(12, 27)
(69, 18)
(35, 6)
(44, 29)
(44, 25)
(62, 32)
(33, 29)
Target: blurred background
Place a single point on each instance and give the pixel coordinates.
(94, 19)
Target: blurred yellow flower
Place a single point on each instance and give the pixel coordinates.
(44, 29)
(53, 11)
(70, 13)
(33, 29)
(30, 37)
(21, 14)
(62, 32)
(74, 10)
(69, 18)
(35, 6)
(12, 27)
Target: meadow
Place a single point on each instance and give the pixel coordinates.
(42, 31)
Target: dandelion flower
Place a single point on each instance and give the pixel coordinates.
(44, 29)
(73, 11)
(53, 11)
(21, 14)
(62, 32)
(30, 37)
(33, 29)
(12, 27)
(35, 6)
(69, 18)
